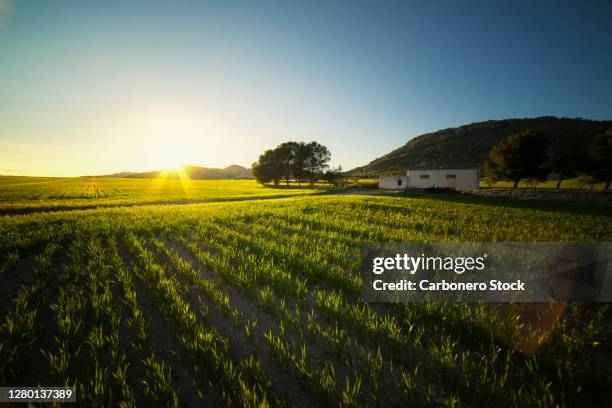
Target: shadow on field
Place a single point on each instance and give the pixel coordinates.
(296, 187)
(93, 206)
(540, 205)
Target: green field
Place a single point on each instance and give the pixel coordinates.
(62, 192)
(578, 183)
(256, 302)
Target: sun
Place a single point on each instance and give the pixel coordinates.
(172, 157)
(179, 168)
(177, 165)
(173, 169)
(167, 155)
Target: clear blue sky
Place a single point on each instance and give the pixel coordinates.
(97, 87)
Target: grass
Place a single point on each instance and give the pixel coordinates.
(577, 183)
(59, 192)
(256, 303)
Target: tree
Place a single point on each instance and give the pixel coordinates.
(568, 157)
(267, 168)
(317, 160)
(490, 181)
(584, 181)
(601, 155)
(292, 159)
(299, 162)
(533, 182)
(491, 173)
(519, 156)
(285, 153)
(332, 175)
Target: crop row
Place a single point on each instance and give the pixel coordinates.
(286, 274)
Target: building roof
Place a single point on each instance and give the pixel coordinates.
(443, 168)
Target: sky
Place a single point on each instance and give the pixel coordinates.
(109, 86)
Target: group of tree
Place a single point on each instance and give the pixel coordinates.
(525, 156)
(297, 161)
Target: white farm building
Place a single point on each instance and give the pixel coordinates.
(458, 179)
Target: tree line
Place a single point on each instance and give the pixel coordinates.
(297, 161)
(525, 156)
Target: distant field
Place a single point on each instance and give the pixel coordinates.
(575, 183)
(256, 303)
(52, 192)
(357, 182)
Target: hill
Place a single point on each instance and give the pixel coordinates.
(469, 145)
(193, 172)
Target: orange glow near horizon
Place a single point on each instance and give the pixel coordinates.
(169, 177)
(185, 181)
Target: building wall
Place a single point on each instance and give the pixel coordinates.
(464, 179)
(393, 182)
